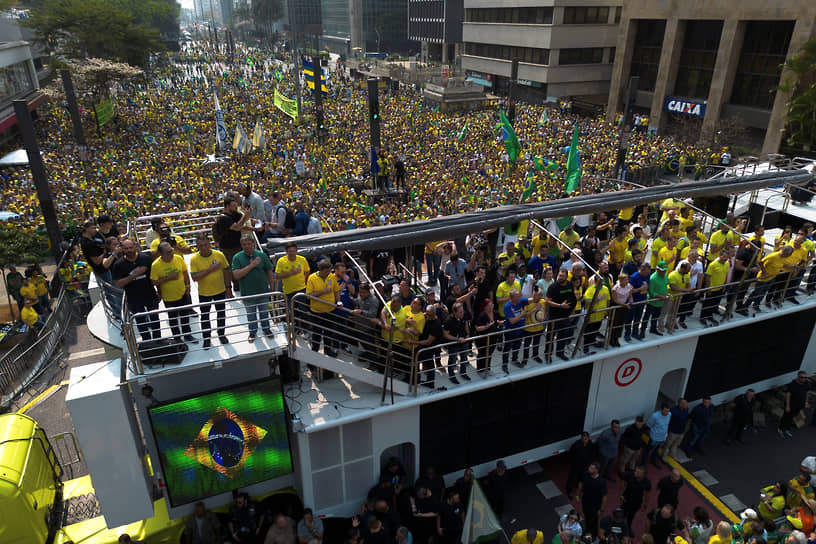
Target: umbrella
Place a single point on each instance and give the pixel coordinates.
(15, 158)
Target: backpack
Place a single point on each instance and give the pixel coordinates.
(289, 222)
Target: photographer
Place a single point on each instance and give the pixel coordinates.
(178, 244)
(614, 529)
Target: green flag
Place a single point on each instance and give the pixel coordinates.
(573, 164)
(481, 523)
(543, 164)
(462, 132)
(529, 187)
(543, 119)
(509, 136)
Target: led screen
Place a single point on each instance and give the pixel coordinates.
(221, 441)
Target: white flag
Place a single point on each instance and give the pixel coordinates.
(220, 127)
(481, 523)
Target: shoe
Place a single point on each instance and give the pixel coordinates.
(793, 299)
(713, 321)
(519, 364)
(615, 343)
(661, 328)
(464, 376)
(538, 360)
(223, 339)
(251, 338)
(269, 334)
(757, 309)
(781, 433)
(190, 338)
(346, 349)
(453, 380)
(628, 338)
(505, 369)
(331, 353)
(549, 360)
(682, 324)
(655, 332)
(207, 344)
(590, 352)
(742, 311)
(562, 355)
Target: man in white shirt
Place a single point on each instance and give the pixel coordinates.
(696, 275)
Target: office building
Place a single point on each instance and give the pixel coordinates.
(357, 26)
(563, 51)
(305, 17)
(18, 81)
(710, 61)
(437, 26)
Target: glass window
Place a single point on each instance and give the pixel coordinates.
(531, 55)
(15, 80)
(697, 58)
(585, 55)
(646, 53)
(586, 15)
(537, 16)
(763, 52)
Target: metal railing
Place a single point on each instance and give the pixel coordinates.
(184, 329)
(187, 224)
(17, 373)
(113, 303)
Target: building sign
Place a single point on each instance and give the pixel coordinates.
(529, 83)
(485, 80)
(628, 372)
(684, 107)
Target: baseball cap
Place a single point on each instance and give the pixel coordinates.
(429, 292)
(748, 513)
(662, 265)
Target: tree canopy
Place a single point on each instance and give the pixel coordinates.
(18, 246)
(801, 114)
(124, 30)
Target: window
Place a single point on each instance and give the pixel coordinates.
(586, 16)
(15, 80)
(531, 55)
(763, 52)
(527, 16)
(696, 66)
(585, 55)
(612, 55)
(618, 14)
(646, 53)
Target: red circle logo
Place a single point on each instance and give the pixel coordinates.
(628, 372)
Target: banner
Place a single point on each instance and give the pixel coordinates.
(220, 127)
(286, 105)
(104, 112)
(481, 523)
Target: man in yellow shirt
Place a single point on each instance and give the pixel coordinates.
(399, 324)
(28, 291)
(721, 239)
(503, 290)
(41, 285)
(667, 205)
(617, 250)
(209, 267)
(769, 267)
(536, 314)
(679, 284)
(178, 244)
(529, 536)
(796, 267)
(30, 316)
(669, 253)
(658, 244)
(569, 236)
(323, 290)
(598, 310)
(169, 274)
(715, 275)
(292, 271)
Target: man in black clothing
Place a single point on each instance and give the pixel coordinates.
(669, 487)
(93, 248)
(743, 416)
(131, 272)
(451, 519)
(425, 511)
(632, 440)
(429, 357)
(795, 397)
(580, 455)
(662, 523)
(456, 329)
(244, 520)
(561, 303)
(635, 493)
(614, 529)
(399, 171)
(464, 484)
(745, 270)
(227, 230)
(496, 487)
(592, 490)
(433, 481)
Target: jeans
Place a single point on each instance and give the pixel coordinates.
(759, 291)
(220, 311)
(46, 304)
(512, 343)
(633, 324)
(650, 451)
(322, 330)
(179, 316)
(651, 316)
(531, 339)
(433, 262)
(148, 325)
(696, 437)
(257, 311)
(484, 350)
(458, 353)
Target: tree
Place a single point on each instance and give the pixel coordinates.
(6, 4)
(801, 88)
(265, 13)
(18, 246)
(98, 28)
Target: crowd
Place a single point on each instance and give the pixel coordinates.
(150, 158)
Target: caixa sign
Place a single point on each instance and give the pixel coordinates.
(684, 107)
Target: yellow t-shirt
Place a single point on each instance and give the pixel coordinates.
(29, 291)
(626, 214)
(296, 282)
(40, 285)
(180, 244)
(534, 306)
(29, 316)
(503, 291)
(670, 203)
(419, 320)
(213, 283)
(430, 247)
(601, 302)
(538, 241)
(678, 280)
(315, 284)
(569, 239)
(718, 239)
(798, 255)
(772, 263)
(668, 255)
(174, 289)
(617, 250)
(717, 272)
(400, 323)
(657, 244)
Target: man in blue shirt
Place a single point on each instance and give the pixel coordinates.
(514, 315)
(658, 424)
(700, 425)
(348, 289)
(640, 284)
(536, 264)
(455, 271)
(677, 428)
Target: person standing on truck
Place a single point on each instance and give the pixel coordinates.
(203, 527)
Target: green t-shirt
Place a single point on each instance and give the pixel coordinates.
(257, 281)
(657, 286)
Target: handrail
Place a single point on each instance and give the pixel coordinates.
(373, 287)
(559, 241)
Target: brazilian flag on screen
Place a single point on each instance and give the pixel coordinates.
(220, 441)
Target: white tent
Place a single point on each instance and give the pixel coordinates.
(15, 158)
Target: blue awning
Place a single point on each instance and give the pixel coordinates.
(480, 81)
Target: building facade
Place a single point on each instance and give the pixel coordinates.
(563, 50)
(357, 26)
(305, 16)
(711, 61)
(437, 26)
(18, 81)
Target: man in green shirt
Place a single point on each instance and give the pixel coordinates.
(656, 295)
(254, 272)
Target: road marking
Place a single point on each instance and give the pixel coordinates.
(706, 478)
(42, 396)
(680, 456)
(733, 502)
(549, 489)
(532, 468)
(703, 490)
(563, 510)
(85, 354)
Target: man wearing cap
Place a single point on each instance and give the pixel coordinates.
(528, 536)
(614, 529)
(657, 294)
